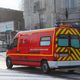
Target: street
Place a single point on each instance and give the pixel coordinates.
(27, 73)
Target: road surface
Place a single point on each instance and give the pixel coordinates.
(27, 73)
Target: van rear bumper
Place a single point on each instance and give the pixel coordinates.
(58, 64)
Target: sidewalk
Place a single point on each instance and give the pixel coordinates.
(2, 60)
(3, 54)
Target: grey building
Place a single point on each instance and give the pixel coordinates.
(45, 13)
(11, 21)
(8, 15)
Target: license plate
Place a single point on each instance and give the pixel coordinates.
(63, 54)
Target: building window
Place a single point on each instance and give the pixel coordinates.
(36, 6)
(45, 41)
(69, 3)
(72, 3)
(66, 3)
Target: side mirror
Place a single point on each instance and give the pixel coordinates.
(8, 46)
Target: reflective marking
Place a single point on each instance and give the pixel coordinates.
(77, 32)
(69, 58)
(73, 31)
(53, 44)
(75, 53)
(64, 58)
(73, 57)
(37, 54)
(60, 58)
(66, 50)
(67, 32)
(56, 45)
(78, 52)
(58, 32)
(62, 50)
(63, 31)
(56, 39)
(58, 49)
(38, 49)
(70, 32)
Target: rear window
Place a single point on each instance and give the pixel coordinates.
(63, 41)
(75, 42)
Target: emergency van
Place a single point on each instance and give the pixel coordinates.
(51, 48)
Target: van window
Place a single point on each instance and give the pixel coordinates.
(15, 41)
(75, 41)
(45, 41)
(63, 41)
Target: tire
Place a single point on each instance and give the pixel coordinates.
(9, 63)
(44, 67)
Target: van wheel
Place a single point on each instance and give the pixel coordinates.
(45, 67)
(9, 63)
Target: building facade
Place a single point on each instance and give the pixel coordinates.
(15, 16)
(11, 21)
(45, 13)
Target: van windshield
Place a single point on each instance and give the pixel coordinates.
(63, 41)
(14, 43)
(75, 42)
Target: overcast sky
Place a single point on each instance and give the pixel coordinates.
(12, 4)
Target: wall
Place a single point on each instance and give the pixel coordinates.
(53, 11)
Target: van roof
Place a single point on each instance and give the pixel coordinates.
(38, 30)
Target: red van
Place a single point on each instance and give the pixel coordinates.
(48, 48)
